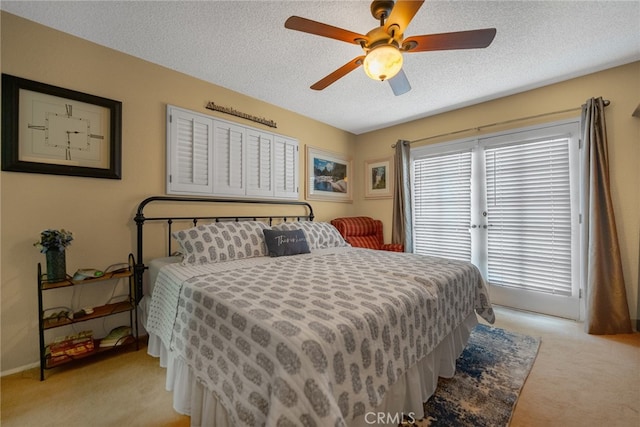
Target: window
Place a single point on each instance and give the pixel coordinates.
(507, 203)
(442, 185)
(190, 155)
(213, 157)
(529, 206)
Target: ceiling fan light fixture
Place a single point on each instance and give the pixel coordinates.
(383, 62)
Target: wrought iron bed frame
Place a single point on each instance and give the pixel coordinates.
(140, 220)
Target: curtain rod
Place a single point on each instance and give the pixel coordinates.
(477, 128)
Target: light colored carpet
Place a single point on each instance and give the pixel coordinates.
(577, 380)
(115, 389)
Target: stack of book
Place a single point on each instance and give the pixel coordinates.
(117, 336)
(69, 346)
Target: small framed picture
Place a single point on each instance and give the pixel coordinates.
(53, 130)
(328, 176)
(378, 178)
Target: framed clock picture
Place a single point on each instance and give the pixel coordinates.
(52, 130)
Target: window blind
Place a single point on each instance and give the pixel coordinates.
(191, 152)
(286, 171)
(259, 163)
(529, 213)
(442, 206)
(228, 158)
(220, 158)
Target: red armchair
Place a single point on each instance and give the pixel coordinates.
(364, 232)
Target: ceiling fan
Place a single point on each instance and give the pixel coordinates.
(384, 45)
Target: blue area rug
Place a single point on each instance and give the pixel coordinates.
(489, 376)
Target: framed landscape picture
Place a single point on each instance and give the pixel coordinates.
(328, 176)
(378, 178)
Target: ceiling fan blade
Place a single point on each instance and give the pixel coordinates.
(402, 13)
(399, 83)
(472, 39)
(319, 29)
(339, 73)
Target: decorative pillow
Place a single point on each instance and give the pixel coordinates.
(222, 241)
(320, 235)
(285, 242)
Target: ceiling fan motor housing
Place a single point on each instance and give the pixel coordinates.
(381, 9)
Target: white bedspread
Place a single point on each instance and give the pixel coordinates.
(312, 339)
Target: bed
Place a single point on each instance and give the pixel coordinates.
(275, 320)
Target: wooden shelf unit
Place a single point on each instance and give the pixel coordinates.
(48, 323)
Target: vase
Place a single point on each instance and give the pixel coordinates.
(56, 266)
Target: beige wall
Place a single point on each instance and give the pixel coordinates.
(100, 211)
(620, 85)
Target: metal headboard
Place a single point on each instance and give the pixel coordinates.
(140, 220)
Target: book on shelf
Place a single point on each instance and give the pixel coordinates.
(117, 336)
(70, 345)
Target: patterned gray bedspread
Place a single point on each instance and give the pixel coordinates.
(315, 340)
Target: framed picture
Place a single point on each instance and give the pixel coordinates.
(378, 178)
(52, 130)
(328, 176)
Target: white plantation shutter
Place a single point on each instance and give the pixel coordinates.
(259, 163)
(191, 156)
(529, 215)
(228, 156)
(442, 205)
(286, 168)
(207, 156)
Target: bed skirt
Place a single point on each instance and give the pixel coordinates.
(191, 397)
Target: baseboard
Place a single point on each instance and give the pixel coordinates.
(20, 369)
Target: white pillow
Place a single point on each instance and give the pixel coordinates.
(320, 235)
(222, 241)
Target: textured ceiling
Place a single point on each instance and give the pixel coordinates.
(243, 46)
